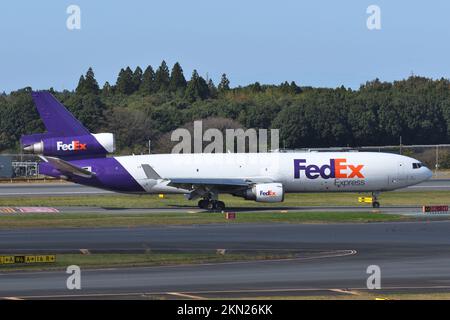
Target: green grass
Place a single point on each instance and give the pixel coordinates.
(144, 259)
(303, 199)
(74, 220)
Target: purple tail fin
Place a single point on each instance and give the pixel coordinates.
(66, 137)
(57, 119)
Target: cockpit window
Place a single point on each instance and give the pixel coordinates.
(417, 165)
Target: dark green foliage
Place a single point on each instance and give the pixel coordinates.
(148, 85)
(177, 80)
(212, 89)
(224, 84)
(125, 84)
(162, 77)
(132, 129)
(87, 84)
(89, 109)
(197, 88)
(107, 90)
(18, 116)
(444, 161)
(148, 105)
(137, 78)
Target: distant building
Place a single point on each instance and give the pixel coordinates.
(6, 170)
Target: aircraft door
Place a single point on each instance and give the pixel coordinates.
(402, 172)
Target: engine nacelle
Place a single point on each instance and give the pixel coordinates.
(265, 192)
(85, 145)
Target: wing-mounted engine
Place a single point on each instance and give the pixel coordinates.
(70, 146)
(265, 192)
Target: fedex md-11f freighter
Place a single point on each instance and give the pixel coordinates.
(71, 152)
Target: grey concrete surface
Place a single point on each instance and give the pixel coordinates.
(412, 256)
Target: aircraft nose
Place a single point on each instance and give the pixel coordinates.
(428, 173)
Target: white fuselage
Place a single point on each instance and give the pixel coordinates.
(297, 171)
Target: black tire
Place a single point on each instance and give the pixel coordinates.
(375, 204)
(220, 205)
(202, 204)
(211, 205)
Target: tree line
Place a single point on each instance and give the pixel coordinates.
(149, 103)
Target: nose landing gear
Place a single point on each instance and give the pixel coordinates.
(372, 200)
(375, 202)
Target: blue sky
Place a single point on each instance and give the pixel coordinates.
(317, 43)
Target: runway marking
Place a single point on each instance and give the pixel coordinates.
(419, 187)
(51, 193)
(13, 298)
(28, 210)
(329, 254)
(345, 291)
(195, 293)
(185, 295)
(335, 254)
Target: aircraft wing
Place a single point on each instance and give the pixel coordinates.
(220, 184)
(67, 167)
(188, 183)
(207, 181)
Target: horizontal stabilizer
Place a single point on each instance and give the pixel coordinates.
(67, 167)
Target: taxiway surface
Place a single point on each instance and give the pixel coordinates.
(411, 255)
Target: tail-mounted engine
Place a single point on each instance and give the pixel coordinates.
(72, 146)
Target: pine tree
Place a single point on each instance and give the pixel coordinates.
(177, 80)
(295, 89)
(255, 87)
(284, 87)
(148, 81)
(80, 86)
(224, 84)
(197, 88)
(212, 89)
(91, 85)
(87, 84)
(124, 82)
(107, 89)
(137, 78)
(162, 77)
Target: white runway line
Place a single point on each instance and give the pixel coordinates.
(185, 295)
(345, 291)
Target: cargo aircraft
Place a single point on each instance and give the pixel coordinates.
(69, 151)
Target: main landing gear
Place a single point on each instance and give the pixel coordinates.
(211, 205)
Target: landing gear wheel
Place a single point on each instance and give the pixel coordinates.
(220, 205)
(211, 206)
(202, 204)
(215, 205)
(375, 204)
